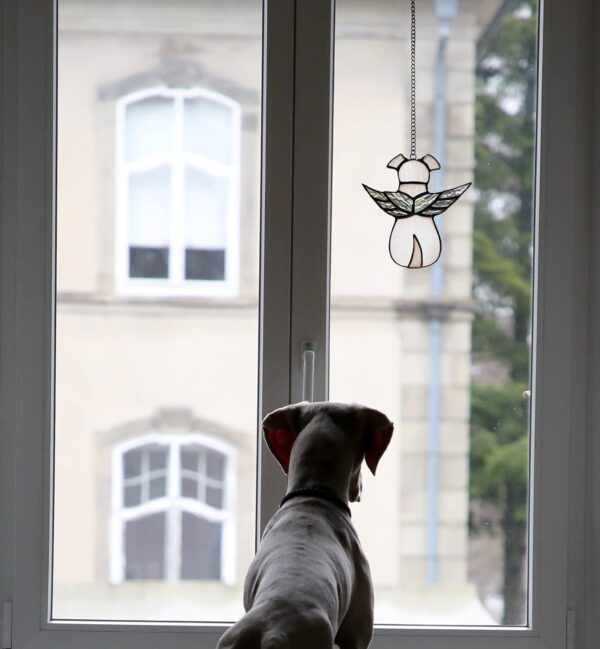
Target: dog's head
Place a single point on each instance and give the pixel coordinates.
(362, 434)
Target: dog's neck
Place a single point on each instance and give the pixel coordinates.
(317, 491)
(319, 458)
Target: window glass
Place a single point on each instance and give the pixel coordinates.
(149, 128)
(208, 129)
(145, 547)
(144, 475)
(150, 208)
(203, 475)
(206, 206)
(446, 348)
(201, 548)
(156, 321)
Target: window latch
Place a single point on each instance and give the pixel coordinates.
(571, 628)
(308, 371)
(7, 625)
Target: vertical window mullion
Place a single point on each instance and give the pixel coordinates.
(117, 524)
(228, 528)
(296, 167)
(121, 202)
(233, 214)
(173, 517)
(312, 190)
(145, 476)
(276, 237)
(201, 476)
(177, 247)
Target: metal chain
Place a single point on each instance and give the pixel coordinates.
(413, 102)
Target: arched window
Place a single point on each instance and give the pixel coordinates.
(172, 509)
(177, 193)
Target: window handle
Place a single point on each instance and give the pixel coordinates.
(308, 371)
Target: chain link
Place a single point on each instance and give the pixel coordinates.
(413, 94)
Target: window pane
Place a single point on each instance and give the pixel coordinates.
(205, 264)
(149, 207)
(158, 458)
(143, 459)
(149, 128)
(201, 548)
(208, 128)
(203, 475)
(148, 262)
(215, 465)
(206, 209)
(132, 495)
(140, 197)
(132, 463)
(158, 488)
(214, 497)
(145, 547)
(189, 488)
(444, 350)
(190, 458)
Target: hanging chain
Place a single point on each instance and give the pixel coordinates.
(413, 102)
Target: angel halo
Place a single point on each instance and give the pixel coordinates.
(414, 240)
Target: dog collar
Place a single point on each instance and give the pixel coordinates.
(318, 492)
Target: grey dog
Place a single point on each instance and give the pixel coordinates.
(309, 585)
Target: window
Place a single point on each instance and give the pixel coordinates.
(169, 155)
(173, 517)
(177, 193)
(76, 361)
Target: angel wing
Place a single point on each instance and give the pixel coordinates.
(401, 205)
(434, 204)
(397, 204)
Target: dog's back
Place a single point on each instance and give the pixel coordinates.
(299, 586)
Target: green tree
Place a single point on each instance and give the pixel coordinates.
(505, 115)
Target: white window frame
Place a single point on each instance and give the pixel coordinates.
(173, 503)
(177, 160)
(296, 150)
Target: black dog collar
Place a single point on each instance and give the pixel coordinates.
(317, 491)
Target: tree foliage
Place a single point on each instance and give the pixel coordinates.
(505, 145)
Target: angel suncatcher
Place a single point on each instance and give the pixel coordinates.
(415, 241)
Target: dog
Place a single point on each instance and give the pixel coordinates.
(309, 585)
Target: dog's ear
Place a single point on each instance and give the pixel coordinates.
(396, 161)
(378, 433)
(280, 431)
(431, 162)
